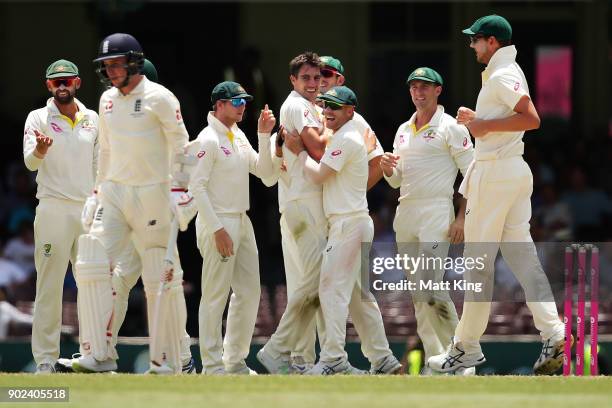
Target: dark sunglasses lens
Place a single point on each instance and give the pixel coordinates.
(59, 82)
(332, 106)
(327, 73)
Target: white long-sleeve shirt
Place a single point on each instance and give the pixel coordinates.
(430, 157)
(220, 180)
(503, 85)
(140, 134)
(68, 169)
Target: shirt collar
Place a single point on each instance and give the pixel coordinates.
(54, 110)
(434, 121)
(219, 127)
(502, 56)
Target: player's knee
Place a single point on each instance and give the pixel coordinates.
(92, 260)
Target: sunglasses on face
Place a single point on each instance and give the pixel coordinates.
(328, 73)
(474, 38)
(67, 82)
(238, 102)
(333, 105)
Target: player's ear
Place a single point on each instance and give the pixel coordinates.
(77, 83)
(292, 78)
(49, 87)
(438, 90)
(340, 80)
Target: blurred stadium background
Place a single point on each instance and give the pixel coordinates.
(564, 49)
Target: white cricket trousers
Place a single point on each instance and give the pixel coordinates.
(57, 227)
(340, 290)
(497, 215)
(240, 273)
(421, 227)
(304, 231)
(143, 211)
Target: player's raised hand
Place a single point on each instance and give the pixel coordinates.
(42, 142)
(266, 120)
(388, 162)
(369, 138)
(465, 115)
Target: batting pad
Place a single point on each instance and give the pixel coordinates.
(95, 300)
(167, 311)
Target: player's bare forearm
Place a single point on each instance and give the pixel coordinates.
(462, 207)
(313, 142)
(525, 118)
(375, 172)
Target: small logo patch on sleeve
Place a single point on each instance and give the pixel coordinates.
(336, 153)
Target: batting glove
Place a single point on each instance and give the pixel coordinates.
(183, 207)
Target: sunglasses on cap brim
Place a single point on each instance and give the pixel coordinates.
(67, 82)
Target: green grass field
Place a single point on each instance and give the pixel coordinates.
(125, 390)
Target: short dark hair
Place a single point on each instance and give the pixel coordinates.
(504, 43)
(308, 58)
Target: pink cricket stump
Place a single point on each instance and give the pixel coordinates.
(594, 308)
(580, 323)
(567, 310)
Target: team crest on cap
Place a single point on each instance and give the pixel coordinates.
(240, 89)
(60, 68)
(332, 92)
(419, 72)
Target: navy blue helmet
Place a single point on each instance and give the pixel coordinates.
(120, 45)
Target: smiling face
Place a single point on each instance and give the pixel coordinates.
(329, 79)
(337, 115)
(307, 81)
(63, 89)
(424, 94)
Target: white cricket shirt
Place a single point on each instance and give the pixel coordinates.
(220, 180)
(296, 113)
(140, 134)
(430, 157)
(345, 193)
(503, 84)
(68, 169)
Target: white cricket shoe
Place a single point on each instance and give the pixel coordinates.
(240, 369)
(88, 364)
(299, 366)
(163, 369)
(213, 371)
(338, 366)
(274, 365)
(468, 372)
(551, 356)
(454, 358)
(386, 366)
(64, 365)
(45, 368)
(189, 367)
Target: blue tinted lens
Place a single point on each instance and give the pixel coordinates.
(238, 102)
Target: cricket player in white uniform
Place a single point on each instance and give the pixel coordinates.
(428, 150)
(220, 185)
(61, 143)
(142, 137)
(343, 173)
(498, 187)
(129, 267)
